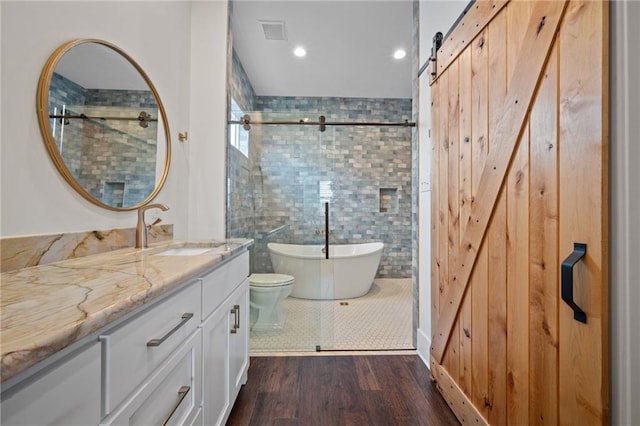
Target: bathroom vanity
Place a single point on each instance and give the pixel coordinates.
(153, 336)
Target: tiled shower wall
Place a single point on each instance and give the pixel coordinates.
(292, 170)
(348, 166)
(240, 86)
(241, 203)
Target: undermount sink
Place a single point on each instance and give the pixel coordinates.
(184, 251)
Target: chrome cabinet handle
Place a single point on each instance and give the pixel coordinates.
(157, 342)
(182, 393)
(234, 311)
(236, 319)
(237, 324)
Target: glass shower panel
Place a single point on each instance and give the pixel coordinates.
(326, 203)
(279, 188)
(280, 177)
(279, 185)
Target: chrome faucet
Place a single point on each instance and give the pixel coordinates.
(141, 227)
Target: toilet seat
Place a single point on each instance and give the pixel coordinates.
(270, 280)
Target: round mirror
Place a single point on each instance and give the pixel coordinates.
(103, 124)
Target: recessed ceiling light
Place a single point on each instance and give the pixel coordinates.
(399, 54)
(299, 52)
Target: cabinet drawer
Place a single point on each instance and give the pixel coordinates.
(171, 395)
(134, 350)
(218, 285)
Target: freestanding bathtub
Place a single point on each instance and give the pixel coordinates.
(348, 273)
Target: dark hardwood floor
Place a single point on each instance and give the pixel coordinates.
(340, 390)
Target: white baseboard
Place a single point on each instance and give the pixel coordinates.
(424, 345)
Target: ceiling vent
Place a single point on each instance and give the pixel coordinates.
(273, 30)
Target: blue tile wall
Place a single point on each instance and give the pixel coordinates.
(279, 184)
(240, 86)
(242, 204)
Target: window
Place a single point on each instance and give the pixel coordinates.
(238, 137)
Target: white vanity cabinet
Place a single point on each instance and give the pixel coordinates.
(225, 330)
(181, 359)
(65, 393)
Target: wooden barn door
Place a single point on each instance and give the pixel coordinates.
(519, 94)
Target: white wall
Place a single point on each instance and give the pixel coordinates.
(1, 118)
(625, 210)
(207, 135)
(434, 16)
(158, 35)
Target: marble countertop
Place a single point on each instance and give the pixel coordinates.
(46, 308)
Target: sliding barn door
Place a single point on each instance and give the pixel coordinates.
(519, 93)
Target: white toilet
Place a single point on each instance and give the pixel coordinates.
(265, 293)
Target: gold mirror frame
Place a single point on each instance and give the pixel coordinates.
(42, 105)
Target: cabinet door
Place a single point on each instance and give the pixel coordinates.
(239, 341)
(67, 394)
(216, 330)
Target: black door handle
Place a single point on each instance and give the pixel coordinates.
(579, 250)
(326, 230)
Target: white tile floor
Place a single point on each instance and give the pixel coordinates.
(380, 320)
